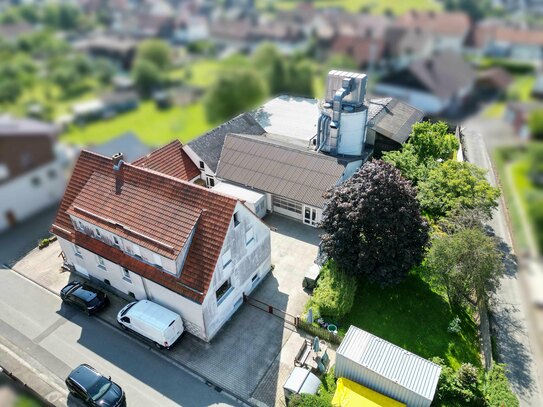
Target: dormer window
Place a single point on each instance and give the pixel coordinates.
(202, 165)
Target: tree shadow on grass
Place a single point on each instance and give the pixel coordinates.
(415, 317)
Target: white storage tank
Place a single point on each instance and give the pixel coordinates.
(386, 368)
(352, 132)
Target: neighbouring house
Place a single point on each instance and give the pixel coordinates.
(290, 150)
(32, 168)
(386, 368)
(495, 38)
(517, 114)
(438, 84)
(190, 29)
(405, 45)
(144, 231)
(129, 143)
(366, 51)
(448, 29)
(493, 81)
(119, 50)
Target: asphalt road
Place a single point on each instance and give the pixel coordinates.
(511, 310)
(35, 323)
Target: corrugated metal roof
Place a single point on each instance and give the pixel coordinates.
(390, 361)
(266, 165)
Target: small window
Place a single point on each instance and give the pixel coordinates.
(81, 225)
(77, 250)
(101, 262)
(223, 290)
(98, 232)
(157, 260)
(226, 259)
(210, 182)
(116, 241)
(202, 165)
(236, 219)
(36, 181)
(137, 251)
(249, 236)
(126, 273)
(52, 173)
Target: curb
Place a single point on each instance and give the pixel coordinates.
(173, 361)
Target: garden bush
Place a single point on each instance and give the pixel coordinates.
(497, 390)
(334, 295)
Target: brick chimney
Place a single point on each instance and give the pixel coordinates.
(118, 162)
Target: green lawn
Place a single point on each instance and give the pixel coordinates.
(415, 317)
(521, 195)
(200, 73)
(376, 6)
(154, 127)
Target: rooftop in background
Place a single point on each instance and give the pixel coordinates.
(443, 23)
(14, 126)
(129, 143)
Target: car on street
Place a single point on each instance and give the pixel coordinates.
(84, 297)
(85, 383)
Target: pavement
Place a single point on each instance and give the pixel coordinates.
(253, 354)
(513, 312)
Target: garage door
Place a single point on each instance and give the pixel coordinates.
(287, 207)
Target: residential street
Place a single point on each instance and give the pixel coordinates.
(512, 311)
(35, 326)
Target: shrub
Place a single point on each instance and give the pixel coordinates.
(497, 391)
(308, 400)
(334, 295)
(454, 327)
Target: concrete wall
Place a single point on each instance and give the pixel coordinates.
(135, 286)
(22, 198)
(249, 265)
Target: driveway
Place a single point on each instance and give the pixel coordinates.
(253, 354)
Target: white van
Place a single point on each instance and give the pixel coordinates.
(152, 321)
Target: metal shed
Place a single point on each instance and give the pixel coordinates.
(386, 368)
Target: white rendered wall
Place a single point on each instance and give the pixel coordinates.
(20, 197)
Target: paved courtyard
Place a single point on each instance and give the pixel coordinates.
(253, 354)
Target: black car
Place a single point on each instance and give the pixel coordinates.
(83, 296)
(94, 389)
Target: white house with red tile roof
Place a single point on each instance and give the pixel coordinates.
(153, 235)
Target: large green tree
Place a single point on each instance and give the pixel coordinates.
(156, 52)
(147, 77)
(373, 226)
(456, 184)
(233, 92)
(467, 264)
(428, 145)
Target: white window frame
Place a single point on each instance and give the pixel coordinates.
(101, 262)
(226, 259)
(249, 236)
(126, 274)
(136, 250)
(78, 251)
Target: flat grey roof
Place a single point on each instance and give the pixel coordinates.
(267, 165)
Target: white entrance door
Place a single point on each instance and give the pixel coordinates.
(310, 216)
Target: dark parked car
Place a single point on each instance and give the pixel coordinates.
(94, 389)
(83, 296)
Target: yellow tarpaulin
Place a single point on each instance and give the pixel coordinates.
(351, 394)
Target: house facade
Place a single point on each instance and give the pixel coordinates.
(151, 235)
(31, 169)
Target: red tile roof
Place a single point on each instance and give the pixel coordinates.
(170, 160)
(444, 23)
(153, 210)
(358, 48)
